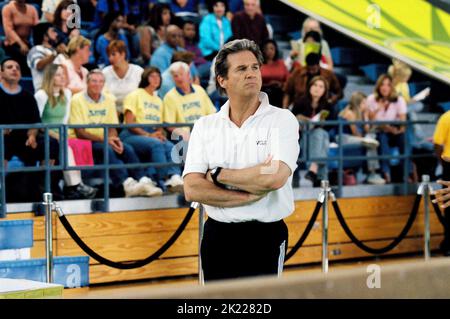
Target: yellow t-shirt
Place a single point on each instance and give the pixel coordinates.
(442, 133)
(86, 111)
(146, 108)
(188, 108)
(402, 89)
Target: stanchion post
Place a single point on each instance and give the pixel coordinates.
(48, 203)
(426, 202)
(325, 191)
(201, 222)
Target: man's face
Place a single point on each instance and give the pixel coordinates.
(174, 36)
(95, 84)
(181, 77)
(313, 69)
(189, 31)
(250, 7)
(244, 75)
(52, 36)
(11, 72)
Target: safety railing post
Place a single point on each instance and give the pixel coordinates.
(325, 195)
(48, 203)
(201, 223)
(426, 202)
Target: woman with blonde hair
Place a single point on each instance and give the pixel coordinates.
(53, 101)
(78, 52)
(360, 134)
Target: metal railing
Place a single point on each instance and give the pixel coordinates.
(106, 166)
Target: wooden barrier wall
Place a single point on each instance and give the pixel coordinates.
(134, 235)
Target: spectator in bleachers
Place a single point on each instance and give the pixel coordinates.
(111, 30)
(140, 36)
(78, 51)
(121, 77)
(250, 24)
(18, 20)
(53, 101)
(215, 29)
(184, 7)
(191, 44)
(441, 140)
(48, 9)
(19, 107)
(45, 51)
(139, 11)
(150, 144)
(274, 73)
(95, 107)
(104, 7)
(401, 73)
(314, 106)
(298, 52)
(187, 102)
(163, 55)
(160, 18)
(385, 105)
(296, 85)
(167, 79)
(361, 134)
(62, 16)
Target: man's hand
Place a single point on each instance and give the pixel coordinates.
(61, 48)
(23, 48)
(443, 195)
(116, 144)
(31, 141)
(159, 135)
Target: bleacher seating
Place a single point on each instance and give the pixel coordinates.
(444, 106)
(416, 87)
(374, 70)
(345, 56)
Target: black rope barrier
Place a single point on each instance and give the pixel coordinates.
(127, 265)
(389, 247)
(305, 232)
(437, 210)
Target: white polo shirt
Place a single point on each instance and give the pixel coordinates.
(216, 141)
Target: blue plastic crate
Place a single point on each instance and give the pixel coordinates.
(71, 272)
(15, 234)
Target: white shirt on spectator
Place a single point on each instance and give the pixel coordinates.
(122, 87)
(217, 142)
(36, 54)
(75, 82)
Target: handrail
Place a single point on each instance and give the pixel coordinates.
(63, 161)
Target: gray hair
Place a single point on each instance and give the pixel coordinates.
(174, 67)
(221, 67)
(94, 71)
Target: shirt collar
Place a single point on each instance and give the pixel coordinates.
(262, 108)
(88, 98)
(180, 91)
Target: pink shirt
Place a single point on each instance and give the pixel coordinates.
(75, 82)
(392, 113)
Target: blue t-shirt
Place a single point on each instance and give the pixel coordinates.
(101, 45)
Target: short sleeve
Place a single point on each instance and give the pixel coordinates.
(169, 110)
(130, 103)
(196, 161)
(76, 112)
(442, 130)
(284, 138)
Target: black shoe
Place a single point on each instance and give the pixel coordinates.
(313, 178)
(81, 191)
